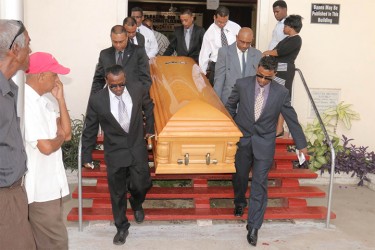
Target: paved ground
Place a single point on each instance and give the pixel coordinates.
(354, 228)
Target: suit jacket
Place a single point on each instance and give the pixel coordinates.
(135, 63)
(121, 149)
(228, 69)
(177, 43)
(262, 133)
(140, 39)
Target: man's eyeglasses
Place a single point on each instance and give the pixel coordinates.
(121, 85)
(137, 17)
(20, 31)
(268, 78)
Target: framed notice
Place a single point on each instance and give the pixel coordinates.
(166, 21)
(324, 99)
(325, 13)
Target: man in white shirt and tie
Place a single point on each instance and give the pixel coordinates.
(151, 45)
(221, 33)
(280, 13)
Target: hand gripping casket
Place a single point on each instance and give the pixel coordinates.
(194, 132)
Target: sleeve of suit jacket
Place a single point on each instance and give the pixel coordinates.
(172, 45)
(99, 77)
(148, 109)
(291, 119)
(220, 71)
(144, 68)
(90, 132)
(233, 100)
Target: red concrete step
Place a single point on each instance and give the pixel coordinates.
(166, 214)
(274, 173)
(224, 192)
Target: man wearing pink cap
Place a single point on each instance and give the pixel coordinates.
(46, 128)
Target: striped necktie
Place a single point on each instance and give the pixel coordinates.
(119, 58)
(123, 117)
(224, 41)
(258, 104)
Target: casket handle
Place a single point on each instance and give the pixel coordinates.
(186, 160)
(208, 159)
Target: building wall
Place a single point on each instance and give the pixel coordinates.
(332, 56)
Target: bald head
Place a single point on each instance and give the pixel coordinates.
(244, 38)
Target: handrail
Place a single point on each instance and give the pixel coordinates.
(333, 154)
(80, 227)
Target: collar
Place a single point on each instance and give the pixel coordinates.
(6, 85)
(240, 52)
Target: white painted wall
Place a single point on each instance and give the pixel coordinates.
(335, 56)
(332, 56)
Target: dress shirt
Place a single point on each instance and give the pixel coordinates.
(162, 41)
(212, 42)
(277, 34)
(151, 45)
(114, 103)
(12, 151)
(265, 93)
(46, 178)
(239, 53)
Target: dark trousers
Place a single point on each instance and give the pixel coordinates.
(137, 180)
(211, 72)
(245, 160)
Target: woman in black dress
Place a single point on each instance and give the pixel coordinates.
(286, 52)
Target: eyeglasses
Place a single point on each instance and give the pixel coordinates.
(268, 78)
(121, 85)
(20, 31)
(137, 17)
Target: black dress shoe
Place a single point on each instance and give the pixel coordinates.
(120, 237)
(252, 236)
(139, 215)
(238, 211)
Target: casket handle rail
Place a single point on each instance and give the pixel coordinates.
(186, 160)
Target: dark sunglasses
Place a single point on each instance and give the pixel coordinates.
(121, 85)
(268, 78)
(20, 31)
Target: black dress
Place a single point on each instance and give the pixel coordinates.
(287, 50)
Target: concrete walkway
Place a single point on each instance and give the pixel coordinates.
(354, 228)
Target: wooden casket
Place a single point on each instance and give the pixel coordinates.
(194, 131)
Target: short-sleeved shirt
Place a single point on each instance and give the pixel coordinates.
(12, 151)
(46, 178)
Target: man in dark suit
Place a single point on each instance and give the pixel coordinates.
(130, 25)
(118, 110)
(133, 59)
(261, 100)
(235, 61)
(186, 39)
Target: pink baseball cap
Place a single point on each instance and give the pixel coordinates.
(44, 62)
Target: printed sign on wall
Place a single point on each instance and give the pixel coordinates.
(167, 21)
(325, 13)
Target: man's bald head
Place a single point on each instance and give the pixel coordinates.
(244, 38)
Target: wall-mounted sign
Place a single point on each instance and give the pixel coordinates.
(212, 4)
(325, 13)
(324, 99)
(167, 21)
